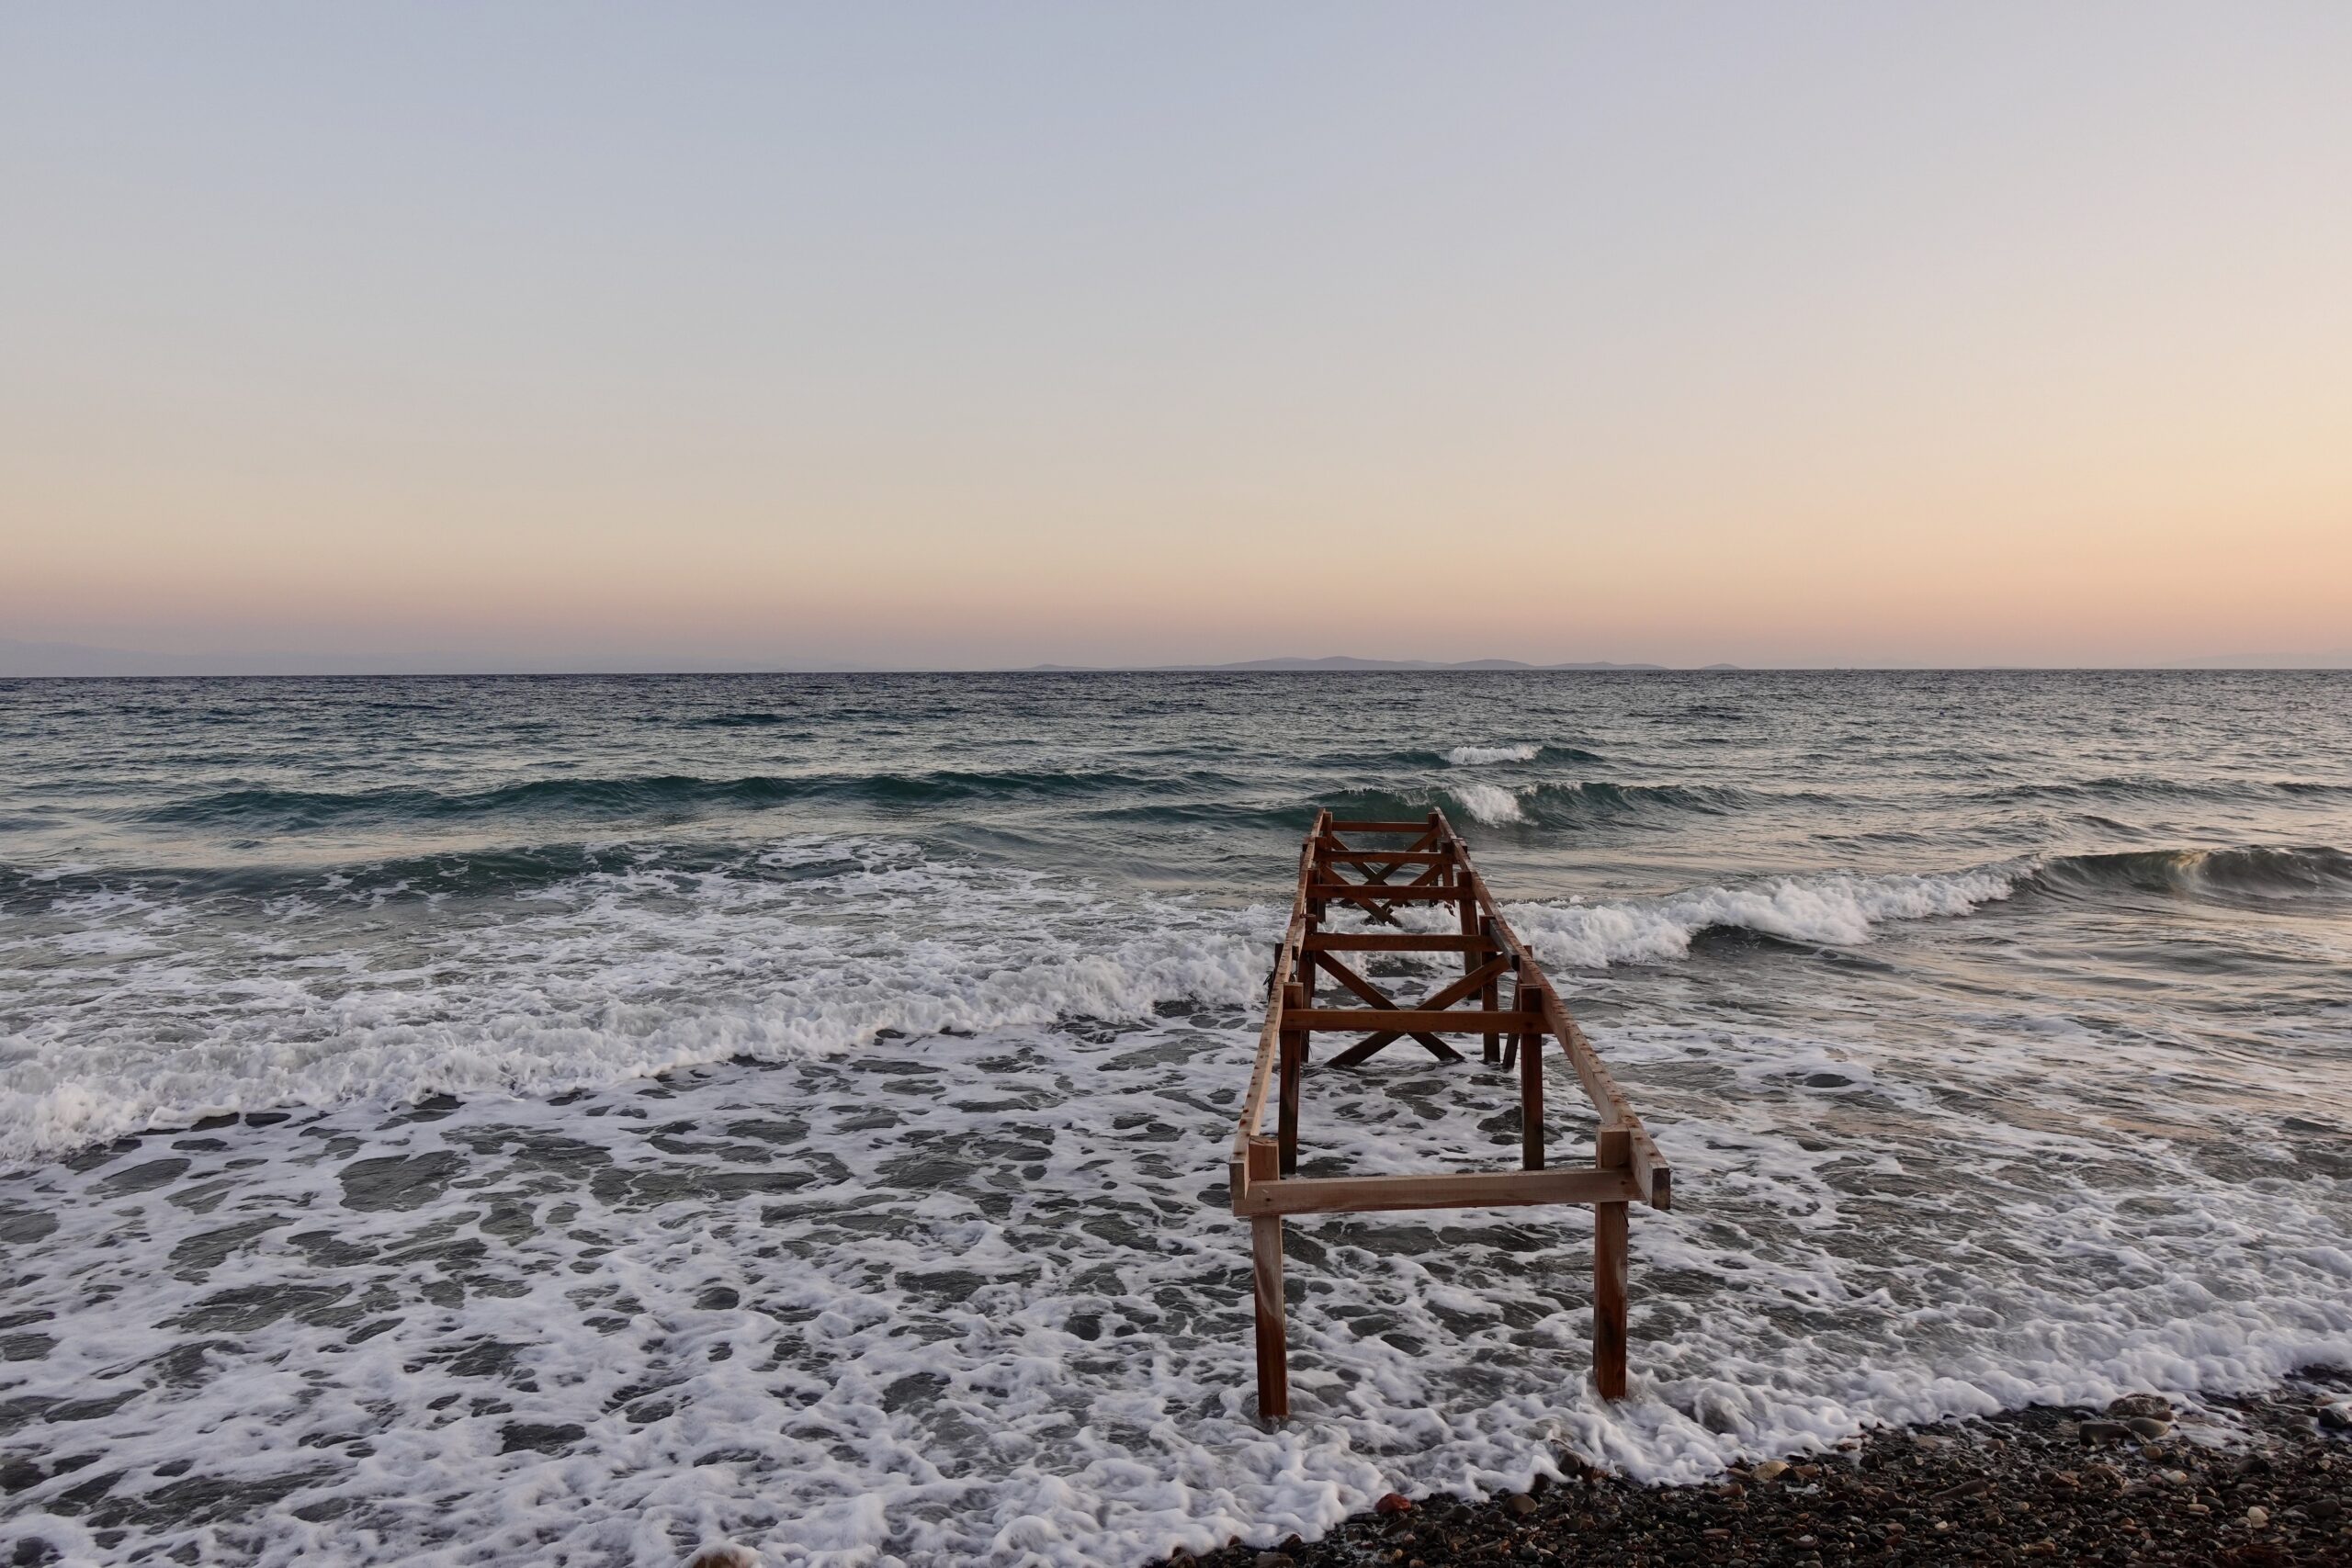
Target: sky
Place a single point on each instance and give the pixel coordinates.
(661, 337)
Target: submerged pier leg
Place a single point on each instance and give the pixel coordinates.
(1266, 1271)
(1491, 996)
(1530, 1101)
(1612, 1150)
(1294, 1072)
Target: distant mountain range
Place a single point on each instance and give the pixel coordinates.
(1340, 661)
(19, 659)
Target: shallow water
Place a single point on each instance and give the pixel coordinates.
(1999, 1027)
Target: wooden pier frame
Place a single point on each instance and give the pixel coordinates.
(1433, 868)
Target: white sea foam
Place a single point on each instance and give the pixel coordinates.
(1838, 908)
(1490, 804)
(1478, 756)
(613, 975)
(888, 1293)
(975, 1300)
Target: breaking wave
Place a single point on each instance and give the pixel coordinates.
(1593, 802)
(1477, 756)
(1845, 909)
(1834, 908)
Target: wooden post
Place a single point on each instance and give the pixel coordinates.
(1608, 1240)
(1531, 1101)
(1293, 1071)
(1612, 1150)
(1266, 1272)
(1491, 997)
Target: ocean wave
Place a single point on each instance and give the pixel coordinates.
(1594, 801)
(263, 810)
(2257, 871)
(2153, 787)
(1490, 804)
(1479, 756)
(1832, 909)
(740, 720)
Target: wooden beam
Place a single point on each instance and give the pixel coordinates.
(1472, 1189)
(1375, 827)
(1395, 941)
(1294, 1071)
(1384, 857)
(1409, 1020)
(1368, 893)
(1253, 1104)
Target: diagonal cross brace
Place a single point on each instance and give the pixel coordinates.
(1371, 1044)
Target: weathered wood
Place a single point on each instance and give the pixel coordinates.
(1266, 1288)
(1362, 893)
(1364, 1050)
(1383, 909)
(1294, 1070)
(1490, 995)
(1409, 1020)
(1627, 1167)
(1530, 1104)
(1378, 998)
(1609, 1245)
(1396, 941)
(1467, 1190)
(1254, 1104)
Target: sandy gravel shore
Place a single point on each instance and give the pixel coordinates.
(2256, 1482)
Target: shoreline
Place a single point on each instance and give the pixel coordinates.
(2259, 1481)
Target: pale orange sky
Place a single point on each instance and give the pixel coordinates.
(959, 336)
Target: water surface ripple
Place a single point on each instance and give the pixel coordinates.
(565, 1120)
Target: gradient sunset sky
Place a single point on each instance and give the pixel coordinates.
(551, 335)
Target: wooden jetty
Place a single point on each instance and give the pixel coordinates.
(1625, 1167)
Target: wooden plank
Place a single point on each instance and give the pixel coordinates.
(1609, 1249)
(1254, 1104)
(1530, 1104)
(1365, 893)
(1294, 1071)
(1375, 827)
(1385, 909)
(1407, 1021)
(1266, 1291)
(1472, 1189)
(1384, 857)
(1395, 941)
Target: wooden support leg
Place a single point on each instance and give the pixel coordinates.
(1266, 1276)
(1491, 997)
(1293, 1072)
(1609, 1241)
(1531, 1101)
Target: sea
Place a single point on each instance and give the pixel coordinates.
(575, 1121)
